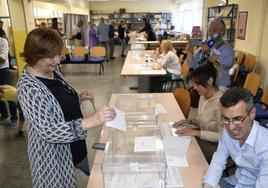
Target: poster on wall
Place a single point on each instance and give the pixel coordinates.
(242, 25)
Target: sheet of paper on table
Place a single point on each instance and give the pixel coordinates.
(119, 122)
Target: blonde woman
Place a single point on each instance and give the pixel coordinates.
(170, 62)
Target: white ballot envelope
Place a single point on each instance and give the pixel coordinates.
(119, 122)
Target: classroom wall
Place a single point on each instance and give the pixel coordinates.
(256, 41)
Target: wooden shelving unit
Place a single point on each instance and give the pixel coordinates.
(133, 20)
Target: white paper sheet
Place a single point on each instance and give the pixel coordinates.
(119, 122)
(145, 144)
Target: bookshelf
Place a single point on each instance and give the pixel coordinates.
(228, 14)
(134, 20)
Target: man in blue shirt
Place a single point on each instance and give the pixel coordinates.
(244, 140)
(215, 46)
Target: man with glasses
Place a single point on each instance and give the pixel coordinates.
(244, 140)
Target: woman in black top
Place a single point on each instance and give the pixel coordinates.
(146, 26)
(55, 125)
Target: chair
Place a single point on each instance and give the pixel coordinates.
(252, 82)
(79, 55)
(183, 99)
(250, 62)
(183, 79)
(97, 56)
(262, 106)
(239, 59)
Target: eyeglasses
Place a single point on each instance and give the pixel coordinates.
(236, 120)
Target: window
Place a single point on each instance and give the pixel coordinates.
(190, 14)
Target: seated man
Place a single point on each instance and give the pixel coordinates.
(244, 140)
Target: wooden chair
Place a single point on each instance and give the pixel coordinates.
(252, 82)
(250, 62)
(183, 99)
(97, 56)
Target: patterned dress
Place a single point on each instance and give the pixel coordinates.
(48, 135)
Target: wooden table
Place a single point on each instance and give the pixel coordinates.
(134, 66)
(191, 175)
(148, 45)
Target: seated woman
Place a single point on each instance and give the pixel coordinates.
(206, 127)
(170, 62)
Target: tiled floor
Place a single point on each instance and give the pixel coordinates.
(14, 167)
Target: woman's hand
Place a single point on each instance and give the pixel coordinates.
(181, 123)
(86, 95)
(184, 131)
(101, 116)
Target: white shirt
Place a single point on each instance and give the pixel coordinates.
(251, 160)
(4, 52)
(170, 62)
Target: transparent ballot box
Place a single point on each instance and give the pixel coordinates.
(135, 158)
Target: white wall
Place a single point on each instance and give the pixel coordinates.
(263, 53)
(73, 7)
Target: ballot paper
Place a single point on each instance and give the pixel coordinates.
(176, 149)
(145, 144)
(119, 122)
